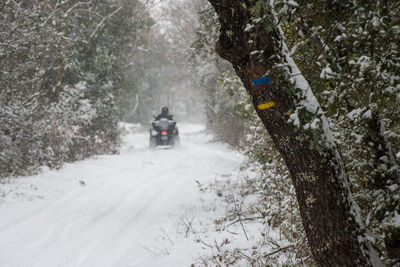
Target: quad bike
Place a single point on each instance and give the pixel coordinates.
(164, 133)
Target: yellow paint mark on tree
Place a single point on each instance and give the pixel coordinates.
(269, 104)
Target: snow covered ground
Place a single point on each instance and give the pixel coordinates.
(116, 210)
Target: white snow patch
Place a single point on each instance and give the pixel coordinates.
(292, 3)
(255, 52)
(295, 119)
(395, 220)
(355, 113)
(327, 73)
(368, 114)
(248, 27)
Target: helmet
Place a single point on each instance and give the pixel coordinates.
(164, 110)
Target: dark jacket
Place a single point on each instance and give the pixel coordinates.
(167, 116)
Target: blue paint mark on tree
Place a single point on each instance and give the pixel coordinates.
(263, 80)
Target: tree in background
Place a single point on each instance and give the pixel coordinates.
(65, 70)
(222, 88)
(169, 73)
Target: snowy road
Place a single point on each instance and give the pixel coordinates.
(119, 210)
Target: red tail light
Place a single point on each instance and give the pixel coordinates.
(164, 133)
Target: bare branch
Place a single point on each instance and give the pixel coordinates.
(240, 220)
(101, 24)
(75, 6)
(279, 250)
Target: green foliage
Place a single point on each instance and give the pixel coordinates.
(64, 78)
(348, 51)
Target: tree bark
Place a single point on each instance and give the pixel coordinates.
(253, 43)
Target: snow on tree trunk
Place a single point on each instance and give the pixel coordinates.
(254, 45)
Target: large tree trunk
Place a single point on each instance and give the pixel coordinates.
(253, 43)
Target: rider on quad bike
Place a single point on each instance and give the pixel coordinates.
(164, 132)
(164, 114)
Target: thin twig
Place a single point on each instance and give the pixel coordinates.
(208, 245)
(247, 257)
(76, 5)
(216, 245)
(245, 219)
(234, 233)
(238, 213)
(278, 250)
(165, 233)
(100, 25)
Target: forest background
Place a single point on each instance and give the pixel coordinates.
(71, 70)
